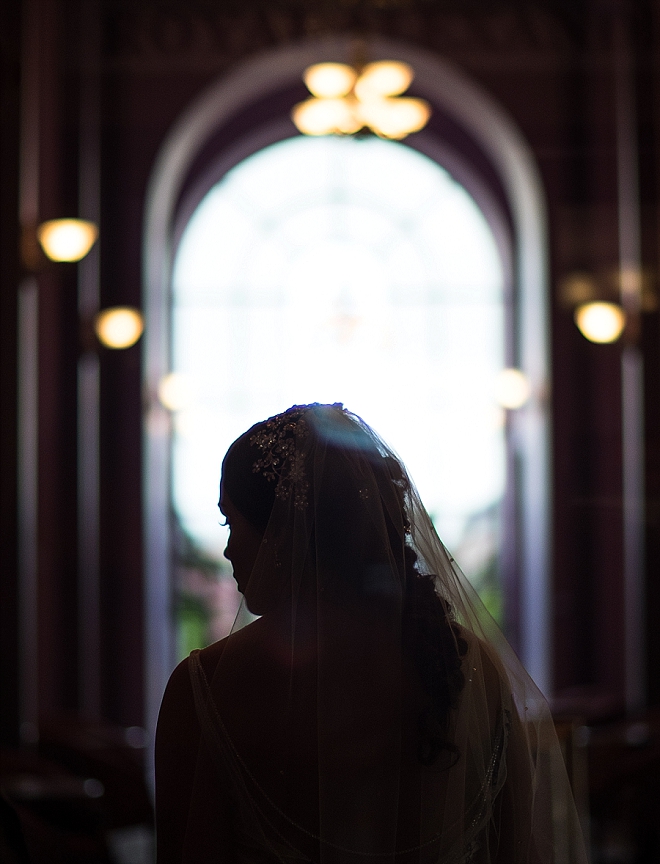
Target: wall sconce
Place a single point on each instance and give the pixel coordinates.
(345, 101)
(175, 392)
(512, 389)
(600, 322)
(119, 326)
(591, 298)
(67, 239)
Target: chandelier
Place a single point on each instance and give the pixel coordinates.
(346, 100)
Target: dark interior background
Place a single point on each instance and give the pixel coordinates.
(550, 64)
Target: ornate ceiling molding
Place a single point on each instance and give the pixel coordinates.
(201, 34)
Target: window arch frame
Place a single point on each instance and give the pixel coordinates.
(523, 249)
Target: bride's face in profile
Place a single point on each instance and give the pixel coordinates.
(243, 544)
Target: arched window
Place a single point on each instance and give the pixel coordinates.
(398, 278)
(354, 270)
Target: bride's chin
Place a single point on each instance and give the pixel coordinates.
(262, 603)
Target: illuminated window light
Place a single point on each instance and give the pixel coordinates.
(600, 322)
(512, 389)
(344, 102)
(67, 239)
(119, 326)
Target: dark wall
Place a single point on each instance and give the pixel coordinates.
(550, 65)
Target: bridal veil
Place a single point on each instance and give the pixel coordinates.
(374, 712)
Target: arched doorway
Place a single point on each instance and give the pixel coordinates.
(490, 160)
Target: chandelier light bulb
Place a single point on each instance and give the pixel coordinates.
(67, 239)
(329, 80)
(512, 389)
(119, 326)
(600, 322)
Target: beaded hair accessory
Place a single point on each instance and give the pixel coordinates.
(281, 456)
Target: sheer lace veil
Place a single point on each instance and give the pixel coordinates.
(406, 728)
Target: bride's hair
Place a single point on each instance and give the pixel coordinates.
(350, 561)
(438, 649)
(434, 640)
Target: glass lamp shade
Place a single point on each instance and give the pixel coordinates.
(512, 389)
(67, 239)
(384, 78)
(175, 391)
(329, 80)
(326, 116)
(600, 322)
(395, 118)
(119, 326)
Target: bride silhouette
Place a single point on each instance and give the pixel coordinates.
(373, 712)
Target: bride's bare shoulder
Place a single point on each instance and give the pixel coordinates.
(210, 656)
(241, 648)
(179, 681)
